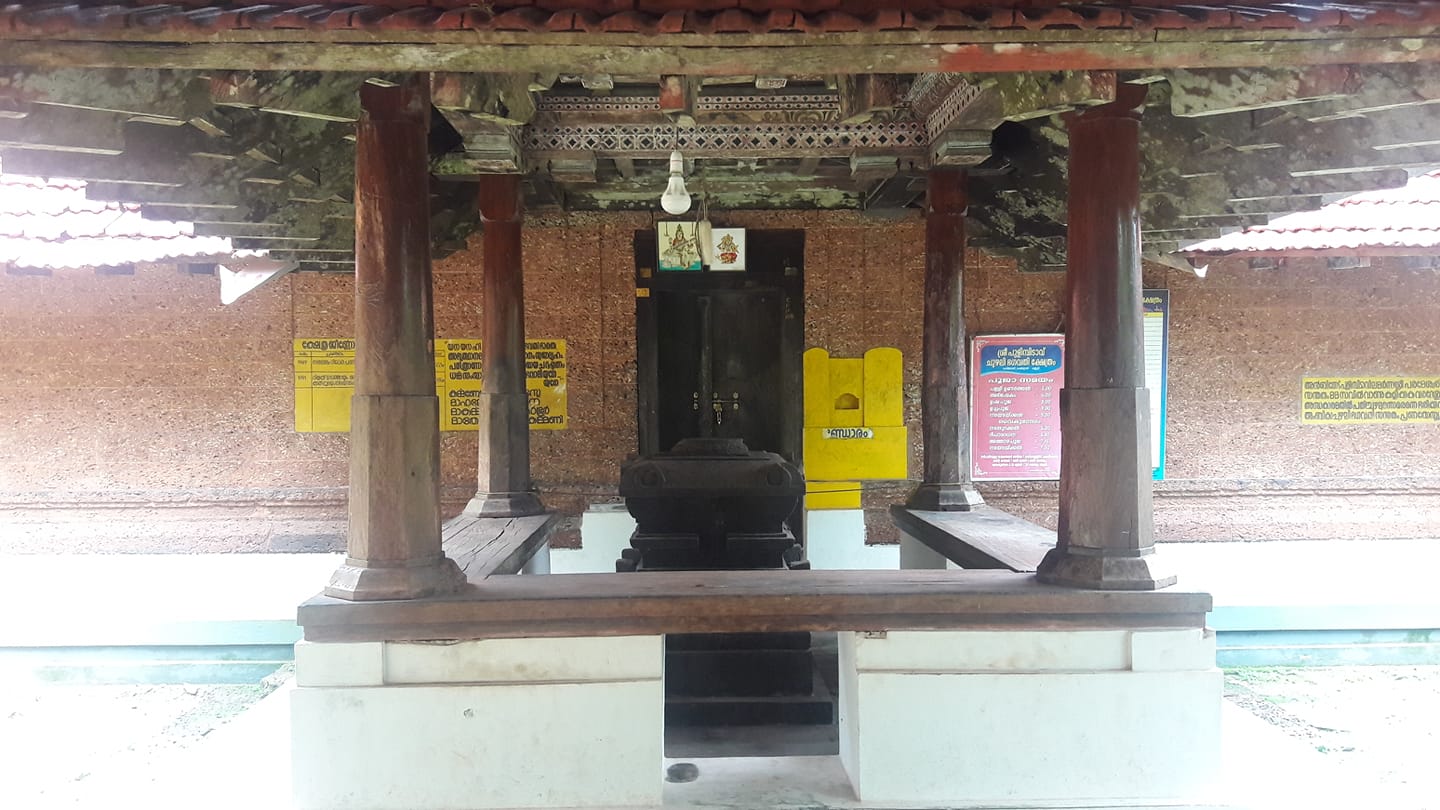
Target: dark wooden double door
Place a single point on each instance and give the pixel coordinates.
(719, 354)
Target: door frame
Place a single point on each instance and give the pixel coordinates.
(776, 259)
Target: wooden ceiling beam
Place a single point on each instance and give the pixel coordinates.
(996, 51)
(504, 99)
(324, 96)
(202, 196)
(868, 167)
(1196, 93)
(485, 150)
(962, 114)
(164, 94)
(65, 129)
(572, 167)
(895, 193)
(1351, 183)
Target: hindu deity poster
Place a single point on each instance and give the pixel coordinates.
(727, 249)
(679, 246)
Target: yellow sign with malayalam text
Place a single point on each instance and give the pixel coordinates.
(325, 381)
(1369, 400)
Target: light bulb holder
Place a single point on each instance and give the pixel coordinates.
(676, 199)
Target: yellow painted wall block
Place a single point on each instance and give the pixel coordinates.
(847, 389)
(855, 416)
(880, 455)
(884, 388)
(816, 370)
(832, 494)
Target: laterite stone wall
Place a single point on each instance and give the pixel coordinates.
(141, 416)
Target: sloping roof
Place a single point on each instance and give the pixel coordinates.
(710, 16)
(50, 224)
(1398, 221)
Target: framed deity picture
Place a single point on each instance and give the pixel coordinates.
(727, 249)
(678, 246)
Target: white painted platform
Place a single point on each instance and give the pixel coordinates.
(1026, 717)
(1262, 769)
(501, 723)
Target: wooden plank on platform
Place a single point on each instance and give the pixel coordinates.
(984, 537)
(483, 546)
(662, 602)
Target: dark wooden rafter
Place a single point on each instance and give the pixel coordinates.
(485, 110)
(1320, 90)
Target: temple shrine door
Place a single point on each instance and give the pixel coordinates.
(719, 353)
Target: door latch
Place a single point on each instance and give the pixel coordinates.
(718, 403)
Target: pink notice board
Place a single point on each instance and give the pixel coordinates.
(1015, 383)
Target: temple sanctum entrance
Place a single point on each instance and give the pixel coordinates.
(719, 365)
(719, 351)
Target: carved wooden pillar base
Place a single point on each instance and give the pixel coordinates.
(1104, 572)
(366, 580)
(504, 458)
(504, 504)
(945, 498)
(394, 502)
(1106, 534)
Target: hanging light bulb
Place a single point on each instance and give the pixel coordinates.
(676, 200)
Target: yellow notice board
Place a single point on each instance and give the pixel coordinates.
(325, 381)
(1369, 400)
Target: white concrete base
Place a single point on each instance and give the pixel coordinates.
(500, 723)
(915, 555)
(964, 718)
(835, 541)
(834, 538)
(604, 531)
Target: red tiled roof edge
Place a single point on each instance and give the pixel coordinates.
(1391, 221)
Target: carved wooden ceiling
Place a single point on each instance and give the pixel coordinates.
(266, 157)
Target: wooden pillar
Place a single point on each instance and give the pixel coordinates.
(1106, 533)
(504, 486)
(394, 539)
(943, 406)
